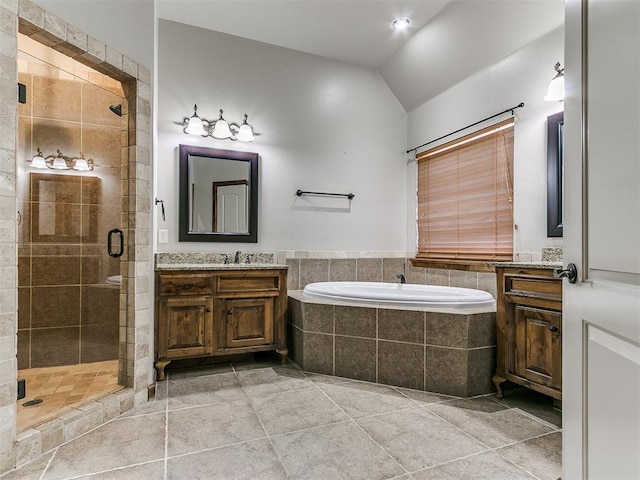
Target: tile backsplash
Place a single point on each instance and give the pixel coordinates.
(552, 254)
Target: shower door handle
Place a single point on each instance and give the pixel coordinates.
(109, 242)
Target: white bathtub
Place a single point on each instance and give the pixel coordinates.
(400, 294)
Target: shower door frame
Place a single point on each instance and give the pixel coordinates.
(135, 328)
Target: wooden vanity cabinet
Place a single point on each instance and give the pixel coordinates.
(219, 312)
(529, 329)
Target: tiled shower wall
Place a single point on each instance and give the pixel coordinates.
(135, 312)
(67, 314)
(312, 266)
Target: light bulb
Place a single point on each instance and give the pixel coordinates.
(401, 23)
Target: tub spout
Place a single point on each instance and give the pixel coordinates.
(400, 277)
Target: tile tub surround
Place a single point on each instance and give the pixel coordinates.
(260, 420)
(369, 266)
(445, 351)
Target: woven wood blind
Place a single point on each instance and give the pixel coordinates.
(465, 208)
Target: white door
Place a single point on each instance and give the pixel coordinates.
(231, 208)
(601, 335)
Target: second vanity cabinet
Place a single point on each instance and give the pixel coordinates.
(219, 312)
(529, 329)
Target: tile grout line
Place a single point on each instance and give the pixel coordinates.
(453, 460)
(273, 448)
(526, 440)
(166, 431)
(494, 450)
(115, 469)
(539, 420)
(55, 452)
(352, 420)
(516, 443)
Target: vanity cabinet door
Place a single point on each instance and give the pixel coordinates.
(249, 322)
(185, 326)
(538, 346)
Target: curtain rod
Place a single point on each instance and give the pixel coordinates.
(520, 105)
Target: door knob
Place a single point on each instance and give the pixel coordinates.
(570, 273)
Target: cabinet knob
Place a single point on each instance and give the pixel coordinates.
(230, 311)
(553, 328)
(208, 309)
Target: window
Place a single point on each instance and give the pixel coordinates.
(465, 207)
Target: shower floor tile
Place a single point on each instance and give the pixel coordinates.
(63, 388)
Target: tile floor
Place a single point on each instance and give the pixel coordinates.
(257, 420)
(63, 388)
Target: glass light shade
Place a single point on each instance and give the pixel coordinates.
(245, 134)
(221, 130)
(59, 163)
(38, 161)
(195, 126)
(555, 92)
(81, 165)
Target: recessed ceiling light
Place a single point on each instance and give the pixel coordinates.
(400, 23)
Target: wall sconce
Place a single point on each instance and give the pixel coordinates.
(60, 162)
(219, 129)
(555, 92)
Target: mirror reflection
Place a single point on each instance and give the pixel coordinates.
(555, 175)
(218, 195)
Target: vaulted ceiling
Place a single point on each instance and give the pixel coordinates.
(448, 39)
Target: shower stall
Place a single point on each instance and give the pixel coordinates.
(70, 137)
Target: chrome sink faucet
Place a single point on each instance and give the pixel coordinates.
(237, 257)
(400, 277)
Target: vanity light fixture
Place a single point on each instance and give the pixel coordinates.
(555, 92)
(219, 129)
(60, 162)
(400, 24)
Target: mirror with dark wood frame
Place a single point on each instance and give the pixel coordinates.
(218, 197)
(555, 174)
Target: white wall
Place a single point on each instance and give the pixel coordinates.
(126, 25)
(521, 77)
(325, 125)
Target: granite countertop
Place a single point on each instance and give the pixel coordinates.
(203, 261)
(219, 266)
(547, 265)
